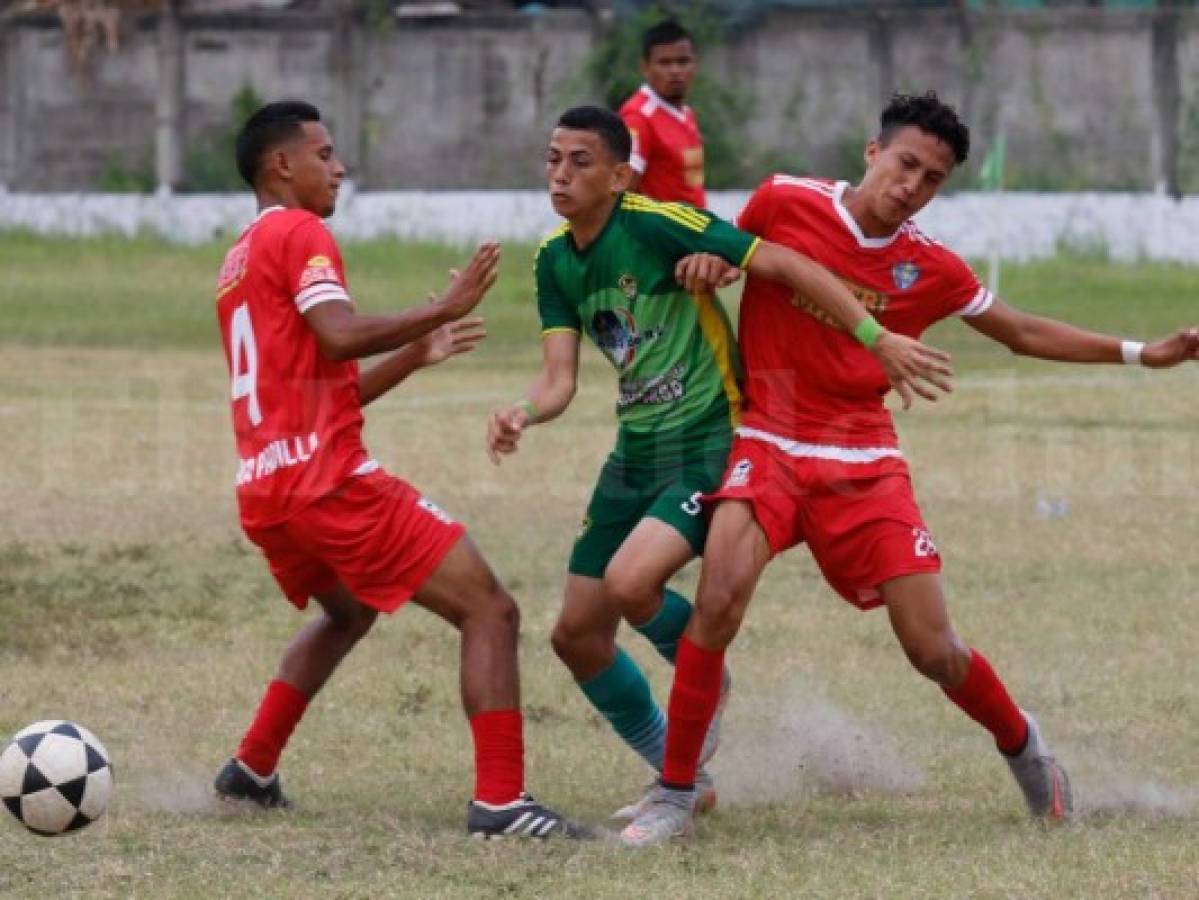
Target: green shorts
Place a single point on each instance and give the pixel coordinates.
(628, 492)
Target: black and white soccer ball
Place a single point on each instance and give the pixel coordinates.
(55, 777)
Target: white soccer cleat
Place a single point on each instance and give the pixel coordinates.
(705, 798)
(1043, 781)
(666, 815)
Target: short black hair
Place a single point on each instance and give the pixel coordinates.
(930, 115)
(266, 129)
(603, 122)
(668, 31)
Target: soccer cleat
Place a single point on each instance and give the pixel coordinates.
(665, 815)
(237, 781)
(712, 738)
(523, 817)
(1043, 781)
(705, 798)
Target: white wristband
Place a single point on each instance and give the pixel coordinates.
(1131, 351)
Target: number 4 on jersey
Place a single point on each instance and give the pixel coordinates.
(241, 345)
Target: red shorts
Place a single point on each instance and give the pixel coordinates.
(860, 520)
(374, 534)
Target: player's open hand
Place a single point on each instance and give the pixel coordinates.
(451, 339)
(1172, 350)
(504, 428)
(703, 273)
(468, 286)
(914, 369)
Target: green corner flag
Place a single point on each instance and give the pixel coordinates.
(990, 173)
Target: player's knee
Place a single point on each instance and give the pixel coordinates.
(629, 594)
(502, 609)
(940, 658)
(718, 615)
(354, 622)
(568, 643)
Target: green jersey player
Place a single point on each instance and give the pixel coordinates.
(609, 272)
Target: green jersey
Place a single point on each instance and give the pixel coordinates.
(675, 352)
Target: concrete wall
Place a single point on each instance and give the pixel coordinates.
(1084, 95)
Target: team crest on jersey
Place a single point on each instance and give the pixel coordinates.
(628, 286)
(615, 333)
(905, 274)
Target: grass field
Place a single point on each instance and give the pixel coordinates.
(129, 601)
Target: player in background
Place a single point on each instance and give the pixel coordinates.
(668, 151)
(817, 461)
(332, 524)
(609, 272)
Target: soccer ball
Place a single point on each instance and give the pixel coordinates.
(55, 777)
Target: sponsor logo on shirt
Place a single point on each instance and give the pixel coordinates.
(628, 286)
(233, 269)
(316, 270)
(875, 303)
(664, 388)
(615, 333)
(905, 274)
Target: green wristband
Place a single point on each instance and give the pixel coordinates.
(529, 409)
(868, 331)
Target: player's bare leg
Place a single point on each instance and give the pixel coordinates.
(464, 591)
(635, 583)
(311, 657)
(584, 636)
(920, 619)
(735, 554)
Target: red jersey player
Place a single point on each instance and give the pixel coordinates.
(330, 522)
(816, 459)
(668, 151)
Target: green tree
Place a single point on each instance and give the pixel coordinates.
(209, 164)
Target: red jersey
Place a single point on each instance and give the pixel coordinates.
(668, 151)
(809, 383)
(296, 414)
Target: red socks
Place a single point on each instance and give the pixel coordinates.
(983, 698)
(277, 717)
(693, 701)
(499, 755)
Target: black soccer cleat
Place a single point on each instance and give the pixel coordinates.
(522, 818)
(236, 781)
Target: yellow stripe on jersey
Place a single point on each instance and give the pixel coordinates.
(557, 232)
(749, 254)
(557, 329)
(685, 215)
(716, 334)
(676, 212)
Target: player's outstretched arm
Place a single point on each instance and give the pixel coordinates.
(548, 396)
(913, 368)
(437, 346)
(343, 334)
(1036, 336)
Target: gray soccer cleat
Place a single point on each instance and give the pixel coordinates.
(524, 817)
(665, 815)
(705, 798)
(712, 738)
(1043, 781)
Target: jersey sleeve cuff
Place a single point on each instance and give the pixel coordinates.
(749, 254)
(980, 303)
(321, 292)
(559, 329)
